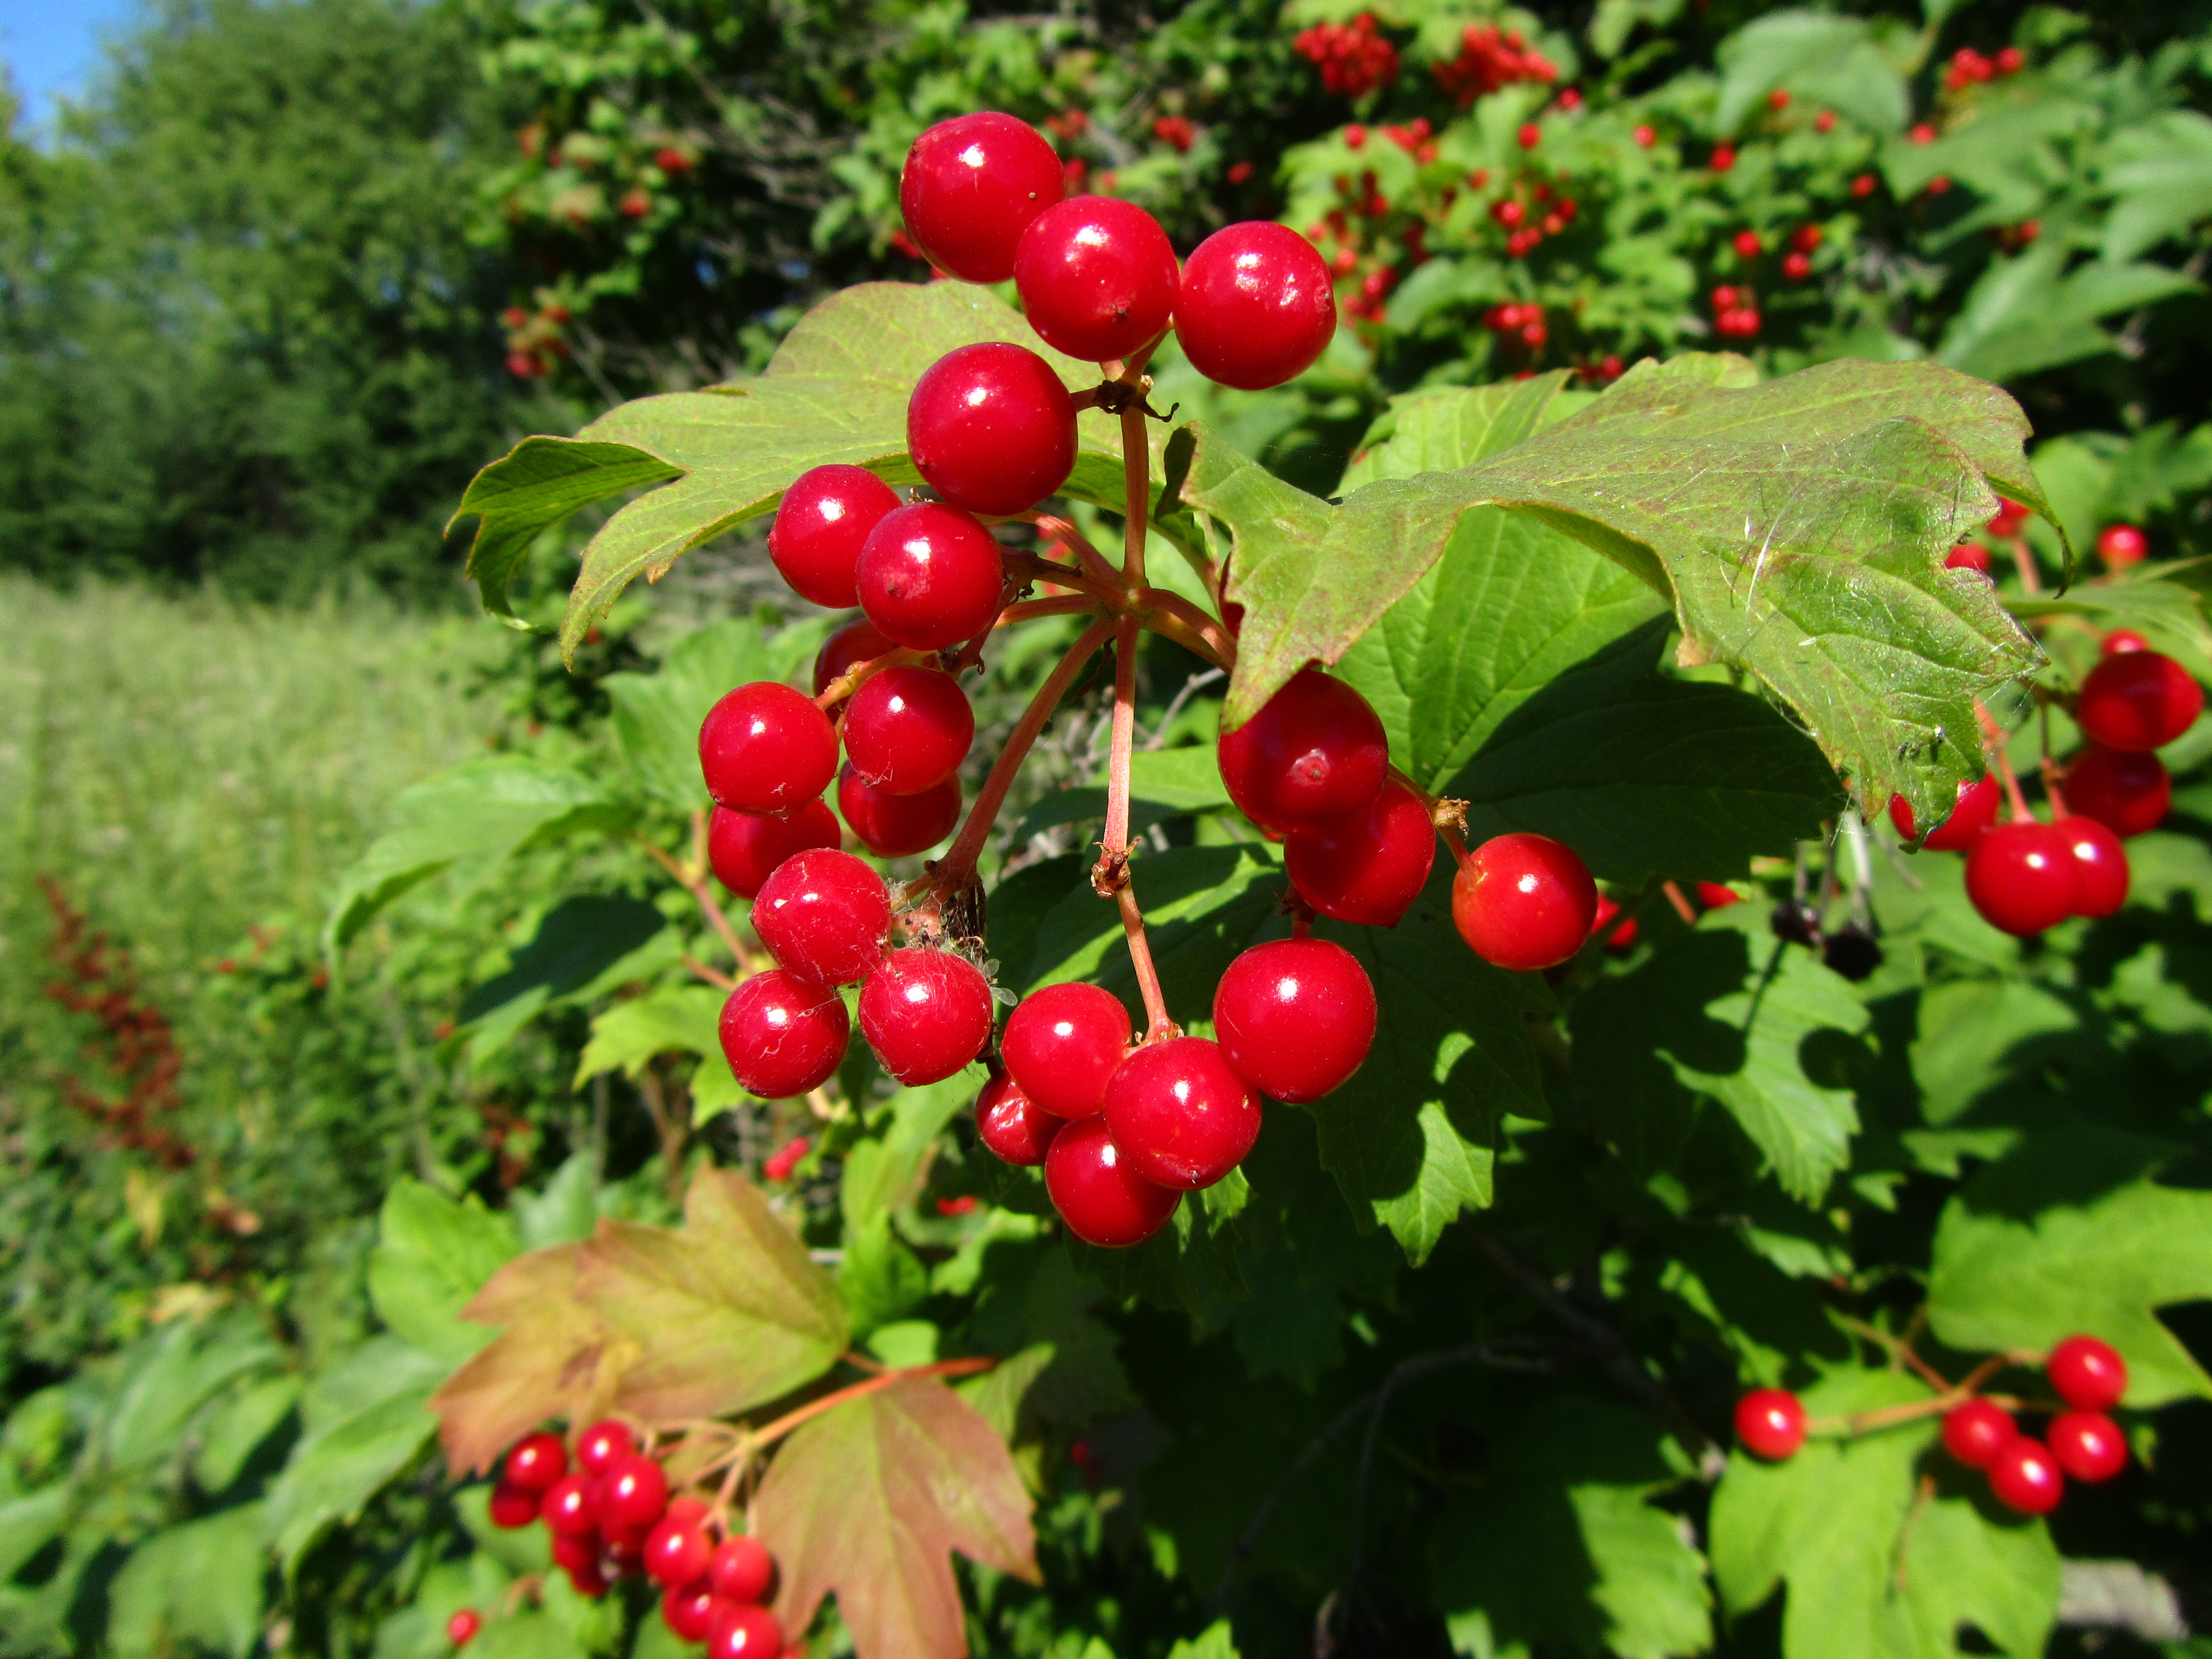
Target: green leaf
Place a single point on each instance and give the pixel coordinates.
(170, 1374)
(1821, 57)
(584, 947)
(197, 1585)
(657, 716)
(239, 1427)
(2162, 170)
(1163, 783)
(1202, 905)
(671, 1019)
(2029, 313)
(2070, 1232)
(29, 1523)
(366, 1420)
(432, 1256)
(1217, 1641)
(541, 482)
(2169, 614)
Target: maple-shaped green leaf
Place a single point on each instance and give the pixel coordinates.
(836, 389)
(867, 1502)
(2072, 1232)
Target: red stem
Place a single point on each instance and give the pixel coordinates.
(772, 1432)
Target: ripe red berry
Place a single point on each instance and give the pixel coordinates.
(2138, 701)
(513, 1506)
(2088, 1445)
(741, 1569)
(1973, 810)
(1824, 121)
(897, 826)
(1509, 213)
(783, 1035)
(931, 576)
(1770, 1423)
(766, 748)
(991, 429)
(2100, 866)
(1012, 1127)
(823, 915)
(677, 1550)
(1796, 266)
(908, 728)
(576, 1551)
(1530, 134)
(1645, 137)
(855, 643)
(1747, 245)
(536, 1462)
(1806, 238)
(1968, 555)
(1098, 1192)
(2025, 1477)
(1976, 1430)
(688, 1611)
(823, 519)
(1256, 306)
(1620, 940)
(602, 1443)
(1062, 1043)
(1523, 901)
(2022, 876)
(2122, 545)
(1723, 159)
(1180, 1114)
(1295, 1017)
(744, 848)
(633, 1493)
(2127, 793)
(971, 187)
(571, 1505)
(1098, 277)
(745, 1632)
(2087, 1375)
(587, 1581)
(461, 1629)
(1314, 750)
(2120, 640)
(925, 1012)
(1716, 896)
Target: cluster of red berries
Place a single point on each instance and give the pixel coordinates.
(2026, 1474)
(1353, 58)
(1968, 67)
(1736, 311)
(1517, 324)
(1532, 213)
(611, 1514)
(534, 339)
(1489, 58)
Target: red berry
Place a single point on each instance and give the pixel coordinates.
(970, 188)
(2122, 545)
(2088, 1445)
(1968, 555)
(677, 1550)
(513, 1506)
(688, 1611)
(2024, 1476)
(1256, 306)
(1622, 938)
(1723, 159)
(991, 428)
(1715, 897)
(1973, 810)
(824, 916)
(1645, 137)
(588, 1582)
(602, 1442)
(1747, 245)
(2127, 793)
(1509, 213)
(1824, 121)
(571, 1505)
(896, 826)
(925, 1012)
(1530, 134)
(2138, 701)
(1976, 1430)
(576, 1551)
(1796, 267)
(2100, 866)
(1098, 1192)
(1295, 1017)
(536, 1461)
(1012, 1127)
(1314, 750)
(766, 748)
(1770, 1423)
(1864, 184)
(2088, 1375)
(2123, 639)
(633, 1493)
(1806, 238)
(745, 1632)
(744, 848)
(461, 1629)
(1180, 1114)
(2009, 60)
(823, 519)
(2022, 876)
(1523, 901)
(783, 1035)
(855, 643)
(908, 728)
(1365, 866)
(931, 576)
(1097, 277)
(741, 1569)
(1062, 1043)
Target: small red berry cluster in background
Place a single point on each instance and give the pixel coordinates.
(2026, 1474)
(1489, 58)
(1620, 938)
(1176, 132)
(1968, 67)
(1352, 57)
(1735, 311)
(1517, 326)
(611, 1514)
(534, 339)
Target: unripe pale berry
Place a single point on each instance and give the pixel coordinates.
(897, 826)
(823, 915)
(2025, 1477)
(1770, 1423)
(744, 848)
(925, 1012)
(741, 1569)
(2138, 701)
(2087, 1374)
(1062, 1043)
(2088, 1445)
(1365, 866)
(766, 748)
(2022, 876)
(2127, 793)
(1974, 810)
(2100, 866)
(783, 1035)
(1256, 306)
(1097, 277)
(1180, 1114)
(971, 187)
(1012, 1125)
(991, 428)
(908, 728)
(819, 525)
(1098, 1192)
(1295, 1017)
(1315, 750)
(1523, 901)
(931, 576)
(1976, 1430)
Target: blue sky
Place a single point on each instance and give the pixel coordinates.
(52, 46)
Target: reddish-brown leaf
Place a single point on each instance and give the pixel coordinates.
(867, 1502)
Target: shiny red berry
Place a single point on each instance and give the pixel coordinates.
(536, 1462)
(744, 848)
(897, 826)
(1747, 244)
(461, 1629)
(2122, 545)
(1523, 901)
(783, 1035)
(2120, 640)
(2127, 793)
(991, 428)
(1295, 1017)
(633, 1493)
(677, 1550)
(1098, 1192)
(1796, 267)
(854, 643)
(1364, 866)
(2138, 701)
(1770, 1423)
(1973, 810)
(1180, 1114)
(1968, 555)
(2022, 876)
(931, 576)
(1315, 750)
(1976, 1430)
(601, 1444)
(588, 1581)
(1012, 1126)
(2088, 1445)
(1097, 277)
(908, 728)
(2087, 1375)
(824, 916)
(2025, 1477)
(1256, 306)
(925, 1012)
(745, 1632)
(823, 519)
(571, 1505)
(766, 748)
(513, 1506)
(1062, 1043)
(2100, 866)
(741, 1569)
(971, 187)
(687, 1610)
(576, 1551)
